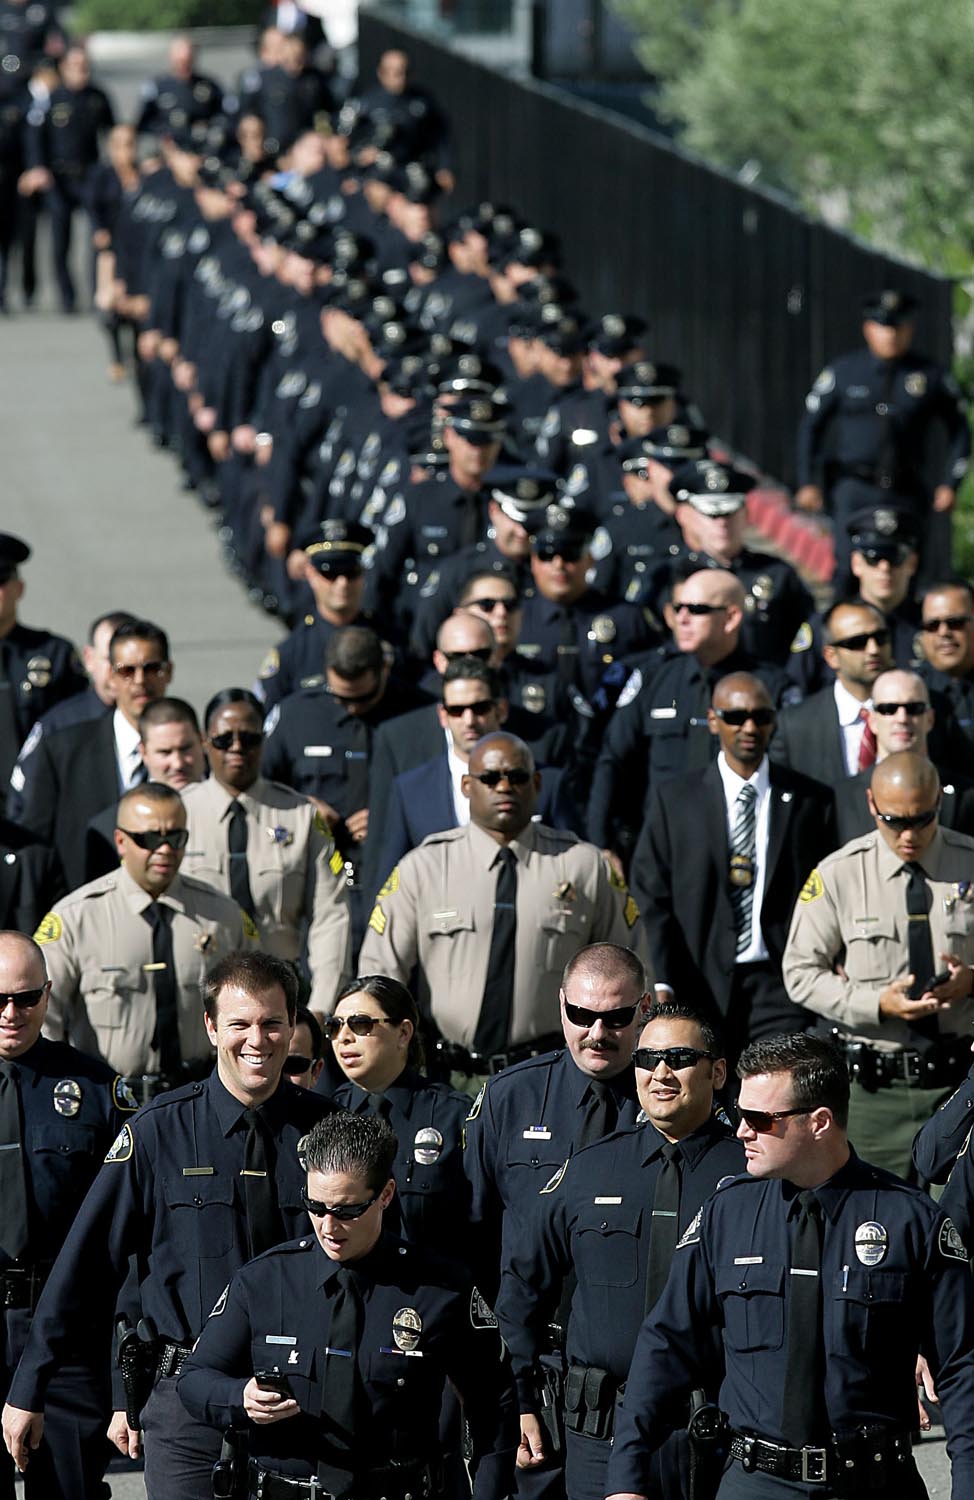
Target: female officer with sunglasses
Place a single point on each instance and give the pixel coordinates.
(374, 1034)
(333, 1350)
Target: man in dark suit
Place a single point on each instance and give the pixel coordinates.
(719, 864)
(827, 737)
(82, 769)
(901, 718)
(31, 879)
(428, 798)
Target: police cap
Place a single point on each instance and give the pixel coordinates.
(342, 541)
(559, 525)
(478, 419)
(674, 446)
(563, 335)
(712, 488)
(645, 381)
(886, 531)
(521, 491)
(467, 372)
(614, 334)
(13, 552)
(890, 306)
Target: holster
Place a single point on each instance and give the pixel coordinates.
(552, 1399)
(135, 1356)
(709, 1437)
(590, 1401)
(230, 1472)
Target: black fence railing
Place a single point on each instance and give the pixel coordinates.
(749, 297)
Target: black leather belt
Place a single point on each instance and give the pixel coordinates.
(170, 1358)
(382, 1484)
(21, 1286)
(456, 1059)
(860, 1460)
(943, 1066)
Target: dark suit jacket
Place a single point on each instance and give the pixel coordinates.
(31, 879)
(853, 818)
(75, 778)
(422, 803)
(679, 876)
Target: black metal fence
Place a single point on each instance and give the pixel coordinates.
(747, 296)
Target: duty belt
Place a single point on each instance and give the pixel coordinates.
(861, 1461)
(943, 1066)
(456, 1059)
(21, 1286)
(170, 1358)
(411, 1483)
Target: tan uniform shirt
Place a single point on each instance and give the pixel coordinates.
(852, 912)
(437, 909)
(297, 877)
(98, 948)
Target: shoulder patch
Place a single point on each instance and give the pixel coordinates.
(319, 825)
(31, 742)
(803, 639)
(630, 689)
(122, 1096)
(250, 928)
(272, 721)
(691, 1235)
(478, 1103)
(50, 929)
(122, 1147)
(812, 889)
(391, 885)
(271, 664)
(950, 1244)
(553, 1183)
(616, 879)
(481, 1315)
(630, 912)
(378, 919)
(220, 1302)
(825, 382)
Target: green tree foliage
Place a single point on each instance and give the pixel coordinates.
(162, 15)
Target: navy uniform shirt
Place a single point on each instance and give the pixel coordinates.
(596, 1219)
(640, 535)
(873, 417)
(776, 602)
(81, 708)
(299, 661)
(169, 1194)
(430, 521)
(432, 1202)
(809, 670)
(581, 641)
(64, 133)
(957, 693)
(172, 104)
(940, 1141)
(522, 1128)
(73, 1106)
(895, 1280)
(957, 1199)
(37, 670)
(278, 1311)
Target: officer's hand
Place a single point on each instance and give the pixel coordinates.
(925, 1387)
(277, 539)
(944, 497)
(297, 564)
(330, 814)
(126, 1439)
(244, 437)
(218, 443)
(357, 824)
(101, 240)
(530, 1450)
(264, 1407)
(895, 1003)
(205, 418)
(809, 497)
(445, 180)
(958, 986)
(22, 1433)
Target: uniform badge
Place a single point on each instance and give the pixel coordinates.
(378, 920)
(50, 929)
(60, 115)
(534, 698)
(39, 671)
(825, 382)
(812, 889)
(600, 548)
(885, 522)
(67, 1097)
(280, 835)
(407, 1326)
(603, 630)
(481, 1315)
(872, 1244)
(551, 1185)
(427, 1146)
(122, 1095)
(716, 480)
(565, 891)
(630, 912)
(122, 1147)
(741, 870)
(763, 586)
(613, 326)
(630, 688)
(950, 1244)
(916, 384)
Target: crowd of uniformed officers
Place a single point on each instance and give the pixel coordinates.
(510, 1046)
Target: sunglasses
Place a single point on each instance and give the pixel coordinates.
(128, 670)
(950, 622)
(350, 699)
(482, 653)
(914, 708)
(340, 570)
(762, 1120)
(860, 642)
(478, 709)
(895, 556)
(359, 1024)
(640, 401)
(295, 1064)
(153, 839)
(675, 1058)
(569, 552)
(24, 999)
(247, 739)
(489, 605)
(903, 825)
(612, 1020)
(698, 609)
(738, 717)
(514, 777)
(346, 1212)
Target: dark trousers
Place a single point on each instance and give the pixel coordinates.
(73, 1456)
(63, 200)
(759, 1006)
(179, 1451)
(738, 1485)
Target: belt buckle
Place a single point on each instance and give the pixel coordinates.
(912, 1067)
(814, 1465)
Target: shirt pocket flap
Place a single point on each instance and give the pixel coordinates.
(198, 1192)
(858, 1284)
(609, 1218)
(449, 920)
(744, 1280)
(63, 1139)
(284, 1353)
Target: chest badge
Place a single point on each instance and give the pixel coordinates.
(67, 1097)
(407, 1326)
(280, 835)
(427, 1146)
(872, 1244)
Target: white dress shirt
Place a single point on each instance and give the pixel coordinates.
(127, 756)
(853, 728)
(458, 768)
(756, 949)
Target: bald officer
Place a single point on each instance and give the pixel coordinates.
(492, 912)
(881, 944)
(127, 953)
(265, 846)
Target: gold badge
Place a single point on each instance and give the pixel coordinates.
(603, 630)
(565, 891)
(407, 1326)
(741, 870)
(916, 384)
(812, 889)
(67, 1097)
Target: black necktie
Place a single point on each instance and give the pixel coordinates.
(378, 1104)
(264, 1226)
(494, 1022)
(165, 1038)
(339, 1405)
(920, 945)
(237, 846)
(601, 1114)
(804, 1417)
(13, 1186)
(666, 1223)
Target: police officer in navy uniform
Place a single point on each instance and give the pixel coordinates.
(31, 878)
(614, 1217)
(578, 419)
(824, 1278)
(59, 1113)
(37, 669)
(940, 1141)
(869, 416)
(309, 1348)
(639, 520)
(203, 1179)
(176, 101)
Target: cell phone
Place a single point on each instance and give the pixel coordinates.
(931, 984)
(274, 1380)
